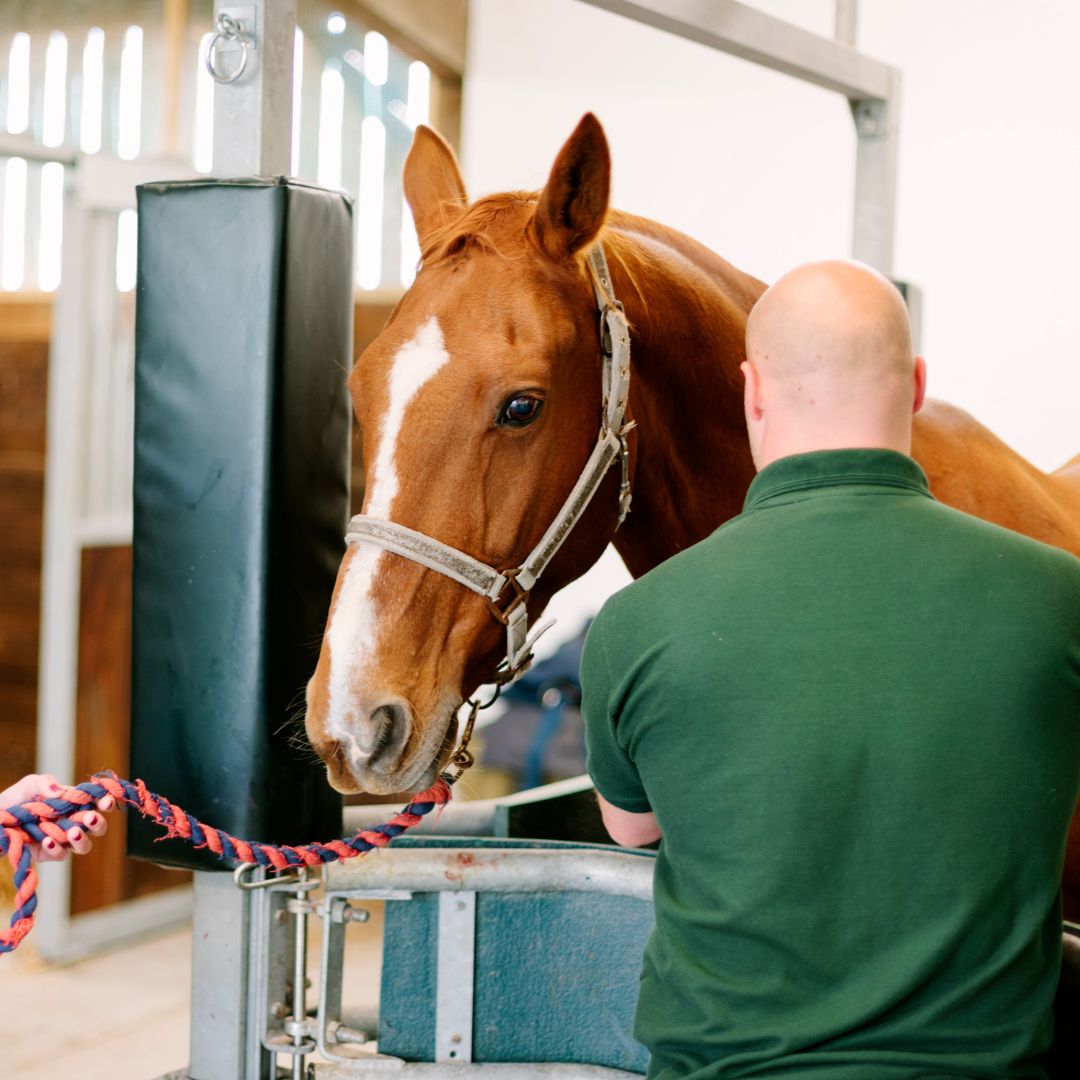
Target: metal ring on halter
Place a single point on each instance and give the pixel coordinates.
(228, 29)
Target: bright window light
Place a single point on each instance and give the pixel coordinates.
(13, 253)
(54, 109)
(376, 57)
(203, 140)
(127, 232)
(410, 248)
(418, 107)
(129, 128)
(51, 232)
(93, 82)
(297, 97)
(335, 24)
(369, 204)
(18, 104)
(331, 112)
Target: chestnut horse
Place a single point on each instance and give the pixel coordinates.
(479, 404)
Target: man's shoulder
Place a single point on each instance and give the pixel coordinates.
(680, 573)
(1012, 548)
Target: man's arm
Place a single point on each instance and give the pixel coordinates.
(627, 829)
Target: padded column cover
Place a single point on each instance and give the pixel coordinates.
(243, 341)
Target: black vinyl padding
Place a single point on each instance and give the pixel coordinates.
(244, 323)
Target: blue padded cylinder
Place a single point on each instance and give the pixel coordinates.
(243, 340)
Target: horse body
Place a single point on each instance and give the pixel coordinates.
(502, 310)
(972, 469)
(694, 465)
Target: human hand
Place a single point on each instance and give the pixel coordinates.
(90, 822)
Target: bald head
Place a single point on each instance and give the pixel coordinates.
(830, 363)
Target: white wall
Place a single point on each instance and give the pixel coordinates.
(760, 168)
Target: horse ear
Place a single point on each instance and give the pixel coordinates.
(575, 199)
(433, 183)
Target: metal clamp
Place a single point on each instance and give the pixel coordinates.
(299, 878)
(228, 29)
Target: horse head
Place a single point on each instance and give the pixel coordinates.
(479, 404)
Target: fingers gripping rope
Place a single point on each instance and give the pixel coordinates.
(33, 822)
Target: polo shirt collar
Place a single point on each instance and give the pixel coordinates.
(819, 469)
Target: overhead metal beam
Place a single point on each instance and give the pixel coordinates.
(871, 87)
(763, 39)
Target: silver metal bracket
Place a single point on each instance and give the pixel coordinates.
(869, 118)
(455, 977)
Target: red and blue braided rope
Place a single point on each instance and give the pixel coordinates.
(35, 821)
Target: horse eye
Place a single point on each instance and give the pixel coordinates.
(520, 410)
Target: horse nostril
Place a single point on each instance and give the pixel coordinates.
(389, 728)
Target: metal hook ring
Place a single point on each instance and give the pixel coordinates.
(295, 877)
(228, 29)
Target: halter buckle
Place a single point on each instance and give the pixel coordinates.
(519, 597)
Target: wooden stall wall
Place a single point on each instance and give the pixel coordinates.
(24, 356)
(103, 727)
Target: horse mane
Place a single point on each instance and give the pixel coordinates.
(476, 224)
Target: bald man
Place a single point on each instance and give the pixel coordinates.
(852, 717)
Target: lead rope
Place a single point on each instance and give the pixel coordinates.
(41, 819)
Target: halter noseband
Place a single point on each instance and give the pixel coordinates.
(610, 445)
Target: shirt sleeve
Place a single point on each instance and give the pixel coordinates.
(609, 764)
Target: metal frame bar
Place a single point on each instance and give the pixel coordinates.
(398, 874)
(503, 870)
(871, 87)
(749, 34)
(416, 1070)
(474, 817)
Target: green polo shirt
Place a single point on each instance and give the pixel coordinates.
(855, 713)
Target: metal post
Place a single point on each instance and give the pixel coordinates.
(252, 136)
(878, 130)
(847, 21)
(299, 907)
(219, 955)
(253, 110)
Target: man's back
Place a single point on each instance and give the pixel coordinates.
(856, 716)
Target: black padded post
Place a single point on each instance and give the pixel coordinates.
(243, 342)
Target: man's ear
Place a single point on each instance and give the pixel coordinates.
(575, 199)
(751, 391)
(432, 183)
(920, 383)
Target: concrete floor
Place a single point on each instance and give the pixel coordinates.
(119, 1016)
(124, 1015)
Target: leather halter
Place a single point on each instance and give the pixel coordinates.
(610, 445)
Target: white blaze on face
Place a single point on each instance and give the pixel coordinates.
(353, 633)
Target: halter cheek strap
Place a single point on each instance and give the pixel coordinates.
(610, 445)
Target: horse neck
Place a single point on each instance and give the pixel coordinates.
(687, 309)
